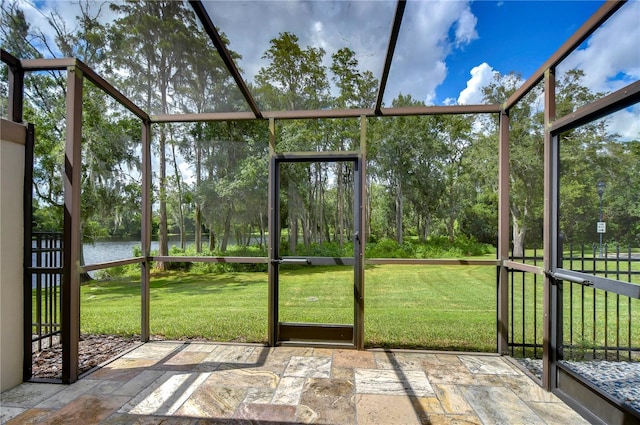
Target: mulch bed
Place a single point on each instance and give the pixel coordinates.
(92, 351)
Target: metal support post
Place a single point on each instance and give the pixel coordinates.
(70, 311)
(503, 234)
(550, 232)
(146, 233)
(274, 237)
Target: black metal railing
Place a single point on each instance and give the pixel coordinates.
(46, 278)
(596, 324)
(526, 309)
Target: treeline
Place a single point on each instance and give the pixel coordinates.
(428, 178)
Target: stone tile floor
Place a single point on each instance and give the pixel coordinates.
(206, 383)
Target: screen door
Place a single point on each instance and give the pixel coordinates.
(316, 249)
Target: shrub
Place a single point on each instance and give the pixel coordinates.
(389, 248)
(434, 247)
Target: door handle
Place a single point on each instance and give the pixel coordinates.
(568, 278)
(291, 261)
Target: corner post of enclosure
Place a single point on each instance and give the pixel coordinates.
(503, 234)
(550, 232)
(145, 276)
(16, 93)
(70, 303)
(360, 238)
(274, 238)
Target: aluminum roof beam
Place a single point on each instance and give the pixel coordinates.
(210, 28)
(15, 76)
(393, 39)
(572, 43)
(620, 99)
(9, 59)
(90, 74)
(331, 113)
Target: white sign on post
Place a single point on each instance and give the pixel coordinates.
(602, 227)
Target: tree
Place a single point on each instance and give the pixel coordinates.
(409, 160)
(356, 90)
(207, 86)
(44, 106)
(150, 41)
(17, 35)
(453, 138)
(526, 154)
(107, 137)
(296, 79)
(621, 198)
(234, 185)
(581, 157)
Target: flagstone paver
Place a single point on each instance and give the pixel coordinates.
(205, 383)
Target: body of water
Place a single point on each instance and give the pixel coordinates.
(100, 252)
(104, 251)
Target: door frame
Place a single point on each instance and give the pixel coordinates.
(311, 334)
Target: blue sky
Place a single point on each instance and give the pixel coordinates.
(440, 43)
(447, 50)
(515, 36)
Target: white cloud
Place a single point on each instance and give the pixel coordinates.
(424, 43)
(430, 31)
(481, 76)
(466, 28)
(626, 123)
(38, 15)
(250, 25)
(610, 60)
(611, 57)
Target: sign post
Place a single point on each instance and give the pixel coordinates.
(602, 227)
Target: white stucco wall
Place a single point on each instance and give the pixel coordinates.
(11, 220)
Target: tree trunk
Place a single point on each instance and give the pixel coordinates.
(292, 220)
(327, 233)
(198, 212)
(519, 233)
(307, 213)
(306, 228)
(163, 242)
(262, 231)
(176, 170)
(426, 225)
(348, 216)
(238, 236)
(340, 205)
(368, 208)
(198, 228)
(227, 229)
(451, 220)
(450, 228)
(399, 211)
(320, 223)
(212, 238)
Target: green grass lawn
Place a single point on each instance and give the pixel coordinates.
(438, 307)
(410, 306)
(606, 266)
(587, 314)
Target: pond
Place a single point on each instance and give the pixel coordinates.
(103, 251)
(97, 252)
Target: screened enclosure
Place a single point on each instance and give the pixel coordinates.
(284, 191)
